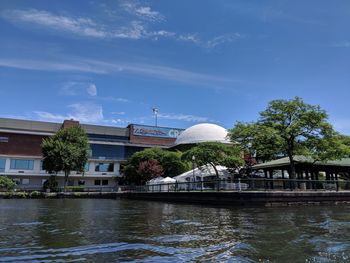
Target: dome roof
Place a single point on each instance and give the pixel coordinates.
(204, 132)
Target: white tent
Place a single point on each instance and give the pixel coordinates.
(203, 173)
(154, 184)
(167, 184)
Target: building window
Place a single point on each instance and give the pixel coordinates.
(19, 164)
(97, 182)
(25, 181)
(2, 165)
(4, 139)
(104, 182)
(104, 167)
(81, 182)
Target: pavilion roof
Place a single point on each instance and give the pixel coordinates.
(300, 159)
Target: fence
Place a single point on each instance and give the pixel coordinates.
(250, 184)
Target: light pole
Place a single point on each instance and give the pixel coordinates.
(155, 112)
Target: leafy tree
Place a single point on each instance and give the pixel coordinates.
(149, 169)
(289, 128)
(215, 153)
(7, 184)
(66, 151)
(170, 162)
(51, 184)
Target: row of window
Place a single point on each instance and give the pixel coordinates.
(26, 181)
(21, 164)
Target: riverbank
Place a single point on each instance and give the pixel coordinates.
(251, 198)
(38, 195)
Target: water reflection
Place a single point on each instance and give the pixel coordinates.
(125, 230)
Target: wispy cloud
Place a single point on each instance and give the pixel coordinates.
(73, 88)
(105, 67)
(223, 39)
(78, 25)
(343, 44)
(142, 12)
(84, 112)
(132, 29)
(182, 117)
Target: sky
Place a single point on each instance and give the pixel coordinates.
(218, 61)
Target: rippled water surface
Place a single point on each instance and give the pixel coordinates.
(140, 231)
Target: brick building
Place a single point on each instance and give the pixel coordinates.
(21, 157)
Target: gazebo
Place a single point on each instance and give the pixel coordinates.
(306, 169)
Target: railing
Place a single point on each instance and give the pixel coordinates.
(250, 184)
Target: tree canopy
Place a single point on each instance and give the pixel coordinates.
(66, 151)
(289, 128)
(156, 159)
(215, 153)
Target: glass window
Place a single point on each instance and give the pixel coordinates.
(86, 167)
(104, 182)
(97, 182)
(104, 167)
(2, 165)
(19, 164)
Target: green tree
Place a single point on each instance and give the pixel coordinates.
(215, 153)
(289, 128)
(170, 162)
(66, 151)
(7, 184)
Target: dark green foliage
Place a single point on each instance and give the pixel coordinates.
(215, 153)
(51, 184)
(66, 151)
(290, 128)
(170, 163)
(7, 183)
(36, 194)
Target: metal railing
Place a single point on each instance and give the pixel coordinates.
(247, 184)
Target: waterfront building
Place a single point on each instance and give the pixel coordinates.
(21, 156)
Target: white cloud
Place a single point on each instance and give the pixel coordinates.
(219, 40)
(51, 65)
(344, 44)
(77, 25)
(142, 12)
(119, 112)
(92, 90)
(74, 88)
(83, 112)
(182, 117)
(132, 29)
(103, 67)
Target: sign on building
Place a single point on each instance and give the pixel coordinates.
(143, 130)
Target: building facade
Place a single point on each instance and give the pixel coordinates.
(21, 156)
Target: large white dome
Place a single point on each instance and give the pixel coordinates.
(204, 132)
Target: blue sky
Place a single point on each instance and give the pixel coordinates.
(110, 62)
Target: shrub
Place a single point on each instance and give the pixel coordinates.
(35, 194)
(7, 184)
(21, 195)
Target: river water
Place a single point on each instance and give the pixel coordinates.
(92, 230)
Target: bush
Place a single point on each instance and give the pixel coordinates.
(7, 183)
(51, 184)
(35, 194)
(21, 195)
